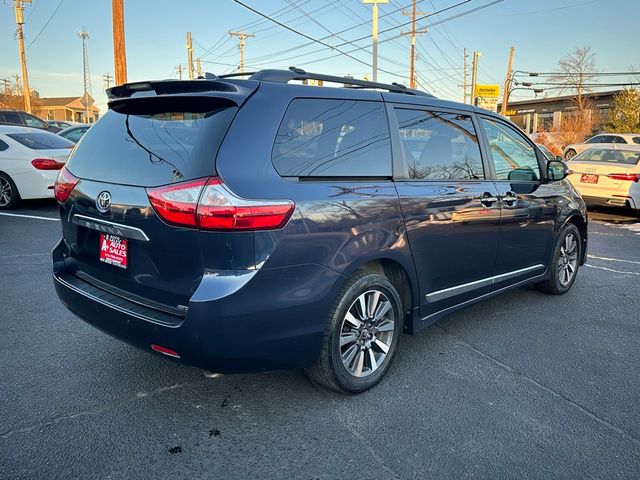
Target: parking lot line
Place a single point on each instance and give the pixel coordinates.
(29, 216)
(612, 270)
(613, 259)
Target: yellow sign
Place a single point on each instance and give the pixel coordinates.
(491, 91)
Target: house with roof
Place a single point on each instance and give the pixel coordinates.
(71, 109)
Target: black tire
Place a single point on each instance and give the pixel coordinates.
(557, 284)
(9, 195)
(330, 370)
(570, 154)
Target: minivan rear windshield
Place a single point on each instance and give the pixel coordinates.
(41, 140)
(151, 142)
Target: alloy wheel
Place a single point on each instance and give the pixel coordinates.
(366, 333)
(568, 260)
(6, 192)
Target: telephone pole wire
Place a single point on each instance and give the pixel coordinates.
(119, 50)
(18, 6)
(242, 37)
(507, 83)
(413, 33)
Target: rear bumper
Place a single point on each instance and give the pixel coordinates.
(35, 183)
(236, 322)
(618, 201)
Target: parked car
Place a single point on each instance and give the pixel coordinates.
(247, 225)
(18, 117)
(572, 150)
(608, 175)
(30, 160)
(60, 124)
(75, 132)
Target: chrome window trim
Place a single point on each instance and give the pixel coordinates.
(111, 228)
(484, 282)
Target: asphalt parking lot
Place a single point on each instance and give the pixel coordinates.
(521, 386)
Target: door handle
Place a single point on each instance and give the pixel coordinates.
(487, 199)
(509, 198)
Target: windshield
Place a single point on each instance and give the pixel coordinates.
(153, 143)
(620, 157)
(41, 140)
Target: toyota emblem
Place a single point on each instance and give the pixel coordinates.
(103, 202)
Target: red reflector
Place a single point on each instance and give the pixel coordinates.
(164, 350)
(629, 177)
(46, 164)
(65, 183)
(209, 205)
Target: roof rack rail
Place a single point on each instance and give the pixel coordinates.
(294, 73)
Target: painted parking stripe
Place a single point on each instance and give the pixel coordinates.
(36, 217)
(613, 259)
(612, 270)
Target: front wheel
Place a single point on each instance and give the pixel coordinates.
(565, 263)
(361, 336)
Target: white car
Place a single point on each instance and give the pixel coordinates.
(30, 160)
(604, 139)
(608, 175)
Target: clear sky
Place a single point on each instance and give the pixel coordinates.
(542, 31)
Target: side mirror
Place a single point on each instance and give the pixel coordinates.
(557, 170)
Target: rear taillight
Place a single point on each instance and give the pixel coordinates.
(628, 177)
(208, 204)
(64, 185)
(46, 164)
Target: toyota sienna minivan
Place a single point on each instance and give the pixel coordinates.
(247, 224)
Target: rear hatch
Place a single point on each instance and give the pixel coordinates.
(113, 237)
(605, 173)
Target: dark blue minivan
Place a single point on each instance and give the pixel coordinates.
(246, 224)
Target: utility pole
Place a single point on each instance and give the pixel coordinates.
(189, 56)
(119, 50)
(198, 68)
(108, 80)
(242, 36)
(413, 33)
(17, 78)
(507, 83)
(464, 76)
(179, 69)
(474, 76)
(374, 35)
(84, 35)
(7, 86)
(18, 6)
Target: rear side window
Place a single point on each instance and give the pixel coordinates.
(3, 146)
(333, 138)
(619, 140)
(12, 118)
(636, 140)
(151, 142)
(439, 146)
(596, 139)
(41, 140)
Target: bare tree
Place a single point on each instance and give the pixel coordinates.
(575, 71)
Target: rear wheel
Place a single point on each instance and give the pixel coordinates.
(361, 336)
(570, 154)
(566, 261)
(9, 196)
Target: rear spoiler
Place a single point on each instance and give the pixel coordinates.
(178, 87)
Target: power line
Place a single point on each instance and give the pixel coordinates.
(55, 10)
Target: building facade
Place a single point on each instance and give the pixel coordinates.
(545, 114)
(71, 109)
